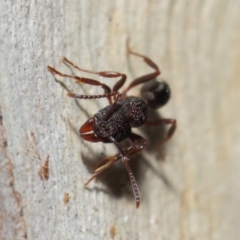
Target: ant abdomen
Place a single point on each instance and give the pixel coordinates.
(155, 93)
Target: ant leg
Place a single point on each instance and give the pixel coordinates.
(164, 121)
(144, 78)
(134, 148)
(109, 161)
(130, 151)
(135, 137)
(98, 171)
(83, 80)
(107, 74)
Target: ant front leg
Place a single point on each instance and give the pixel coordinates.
(83, 80)
(144, 78)
(106, 74)
(164, 121)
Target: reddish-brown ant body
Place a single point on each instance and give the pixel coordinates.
(114, 123)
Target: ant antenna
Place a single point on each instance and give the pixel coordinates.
(134, 184)
(130, 173)
(74, 95)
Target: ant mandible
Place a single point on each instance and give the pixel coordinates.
(114, 123)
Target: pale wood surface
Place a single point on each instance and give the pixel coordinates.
(193, 193)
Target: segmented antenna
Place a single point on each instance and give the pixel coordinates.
(134, 184)
(74, 95)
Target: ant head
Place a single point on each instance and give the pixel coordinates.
(155, 93)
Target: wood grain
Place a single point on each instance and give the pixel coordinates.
(193, 193)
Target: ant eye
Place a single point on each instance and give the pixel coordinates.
(156, 94)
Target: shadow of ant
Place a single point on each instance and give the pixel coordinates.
(115, 178)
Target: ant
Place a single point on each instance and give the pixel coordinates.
(114, 123)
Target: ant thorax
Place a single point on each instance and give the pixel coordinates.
(136, 111)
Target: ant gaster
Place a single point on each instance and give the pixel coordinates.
(114, 123)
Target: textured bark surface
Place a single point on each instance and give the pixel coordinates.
(193, 193)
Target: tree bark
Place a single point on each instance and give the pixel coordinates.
(189, 186)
